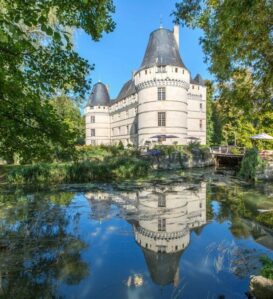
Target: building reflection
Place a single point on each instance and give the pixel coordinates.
(162, 218)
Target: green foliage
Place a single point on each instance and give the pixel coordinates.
(100, 152)
(120, 145)
(267, 269)
(213, 122)
(38, 62)
(266, 218)
(113, 168)
(69, 113)
(237, 38)
(251, 164)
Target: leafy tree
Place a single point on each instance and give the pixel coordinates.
(69, 112)
(237, 41)
(38, 62)
(214, 124)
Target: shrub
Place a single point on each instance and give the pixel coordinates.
(251, 164)
(267, 269)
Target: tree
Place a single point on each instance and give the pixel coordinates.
(213, 117)
(69, 112)
(38, 62)
(237, 41)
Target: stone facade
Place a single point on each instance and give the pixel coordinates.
(160, 99)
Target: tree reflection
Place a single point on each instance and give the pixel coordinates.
(37, 252)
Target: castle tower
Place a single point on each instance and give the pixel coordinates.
(162, 82)
(97, 120)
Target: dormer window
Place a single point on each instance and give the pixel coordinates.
(161, 69)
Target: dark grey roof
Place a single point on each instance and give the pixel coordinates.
(162, 49)
(99, 95)
(198, 80)
(162, 266)
(127, 90)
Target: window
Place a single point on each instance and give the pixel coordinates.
(161, 225)
(161, 93)
(161, 200)
(201, 106)
(200, 124)
(183, 71)
(161, 69)
(135, 128)
(145, 72)
(162, 119)
(92, 119)
(127, 129)
(176, 70)
(93, 142)
(93, 132)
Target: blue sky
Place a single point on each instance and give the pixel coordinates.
(121, 52)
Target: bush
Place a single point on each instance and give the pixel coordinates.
(267, 269)
(251, 164)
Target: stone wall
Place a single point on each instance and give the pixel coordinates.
(181, 161)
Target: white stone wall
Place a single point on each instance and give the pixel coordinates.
(134, 120)
(176, 82)
(123, 120)
(101, 125)
(197, 112)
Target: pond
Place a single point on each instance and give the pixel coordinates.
(187, 239)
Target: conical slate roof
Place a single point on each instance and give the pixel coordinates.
(198, 80)
(99, 95)
(127, 90)
(162, 49)
(162, 266)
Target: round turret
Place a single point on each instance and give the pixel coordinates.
(97, 118)
(162, 83)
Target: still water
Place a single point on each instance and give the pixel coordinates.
(181, 240)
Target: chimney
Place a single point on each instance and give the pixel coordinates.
(176, 33)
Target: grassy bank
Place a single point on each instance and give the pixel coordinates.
(119, 168)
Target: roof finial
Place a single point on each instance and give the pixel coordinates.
(161, 24)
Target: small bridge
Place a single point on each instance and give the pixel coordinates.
(228, 155)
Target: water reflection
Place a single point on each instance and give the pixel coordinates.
(37, 252)
(160, 241)
(162, 218)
